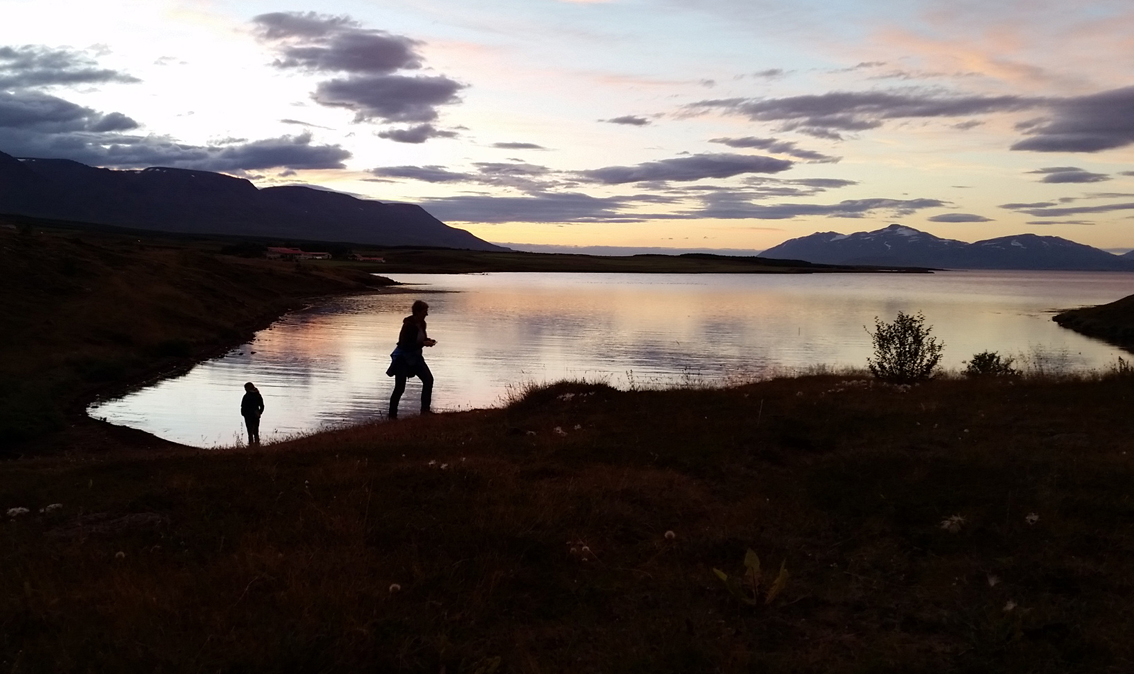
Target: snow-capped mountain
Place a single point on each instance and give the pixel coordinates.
(898, 245)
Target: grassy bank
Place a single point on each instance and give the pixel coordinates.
(955, 526)
(84, 312)
(1113, 322)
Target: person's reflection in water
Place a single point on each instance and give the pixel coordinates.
(251, 407)
(407, 361)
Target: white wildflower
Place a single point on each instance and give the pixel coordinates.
(1031, 518)
(953, 524)
(120, 555)
(1009, 606)
(670, 535)
(531, 433)
(578, 427)
(559, 430)
(444, 466)
(394, 587)
(566, 396)
(431, 463)
(16, 512)
(993, 581)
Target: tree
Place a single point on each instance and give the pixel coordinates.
(903, 350)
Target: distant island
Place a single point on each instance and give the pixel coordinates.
(898, 245)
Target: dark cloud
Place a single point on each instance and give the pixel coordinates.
(1052, 212)
(37, 66)
(296, 122)
(393, 98)
(518, 146)
(368, 61)
(826, 115)
(547, 207)
(958, 217)
(629, 120)
(1059, 222)
(416, 134)
(726, 207)
(517, 175)
(115, 150)
(322, 43)
(1127, 173)
(44, 113)
(695, 167)
(309, 25)
(778, 146)
(429, 174)
(770, 73)
(1069, 174)
(1084, 124)
(1023, 206)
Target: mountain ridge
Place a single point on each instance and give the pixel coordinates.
(202, 202)
(899, 245)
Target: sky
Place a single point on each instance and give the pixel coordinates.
(608, 124)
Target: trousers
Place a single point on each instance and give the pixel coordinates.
(422, 372)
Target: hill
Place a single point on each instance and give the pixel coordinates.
(899, 245)
(201, 202)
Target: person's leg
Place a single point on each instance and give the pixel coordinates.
(399, 389)
(253, 423)
(426, 378)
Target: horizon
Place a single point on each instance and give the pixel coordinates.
(607, 125)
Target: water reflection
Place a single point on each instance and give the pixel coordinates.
(326, 366)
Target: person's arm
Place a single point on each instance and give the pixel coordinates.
(260, 399)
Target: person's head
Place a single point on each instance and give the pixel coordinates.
(250, 387)
(420, 308)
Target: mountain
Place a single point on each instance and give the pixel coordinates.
(201, 202)
(898, 245)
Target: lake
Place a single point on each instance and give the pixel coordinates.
(325, 366)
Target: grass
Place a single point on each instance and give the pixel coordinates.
(283, 558)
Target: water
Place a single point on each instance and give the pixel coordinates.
(326, 366)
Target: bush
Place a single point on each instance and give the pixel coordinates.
(990, 364)
(903, 350)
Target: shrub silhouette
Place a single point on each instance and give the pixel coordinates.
(990, 364)
(903, 350)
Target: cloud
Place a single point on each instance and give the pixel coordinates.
(546, 207)
(44, 113)
(1069, 174)
(1051, 212)
(38, 66)
(416, 134)
(518, 146)
(107, 148)
(629, 120)
(1084, 124)
(690, 168)
(367, 62)
(517, 175)
(429, 174)
(958, 217)
(1127, 173)
(1059, 222)
(827, 115)
(393, 98)
(770, 73)
(724, 207)
(778, 146)
(322, 43)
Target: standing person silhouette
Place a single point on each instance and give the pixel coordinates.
(407, 361)
(251, 407)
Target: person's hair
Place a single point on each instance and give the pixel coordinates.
(249, 387)
(419, 306)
